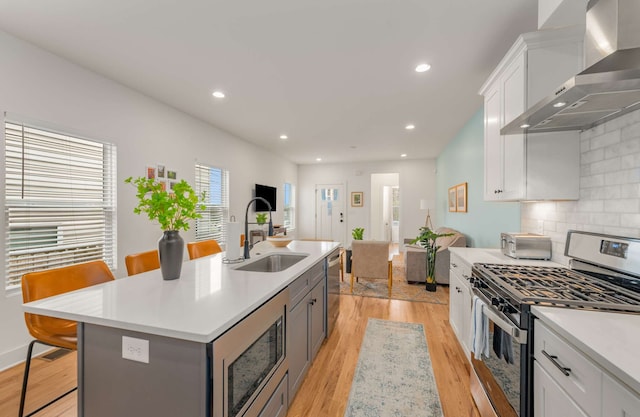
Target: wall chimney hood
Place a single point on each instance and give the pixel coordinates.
(608, 88)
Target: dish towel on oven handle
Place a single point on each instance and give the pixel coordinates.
(503, 345)
(479, 329)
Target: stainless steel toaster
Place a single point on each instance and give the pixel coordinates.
(525, 245)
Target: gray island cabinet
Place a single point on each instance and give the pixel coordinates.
(147, 347)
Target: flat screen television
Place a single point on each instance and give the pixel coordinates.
(269, 194)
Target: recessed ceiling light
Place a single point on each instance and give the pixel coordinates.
(560, 104)
(404, 155)
(524, 126)
(218, 94)
(318, 159)
(283, 137)
(410, 127)
(423, 68)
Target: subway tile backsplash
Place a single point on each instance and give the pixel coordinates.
(609, 188)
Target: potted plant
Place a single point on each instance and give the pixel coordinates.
(427, 239)
(357, 234)
(261, 218)
(172, 210)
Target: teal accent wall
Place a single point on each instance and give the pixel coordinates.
(463, 161)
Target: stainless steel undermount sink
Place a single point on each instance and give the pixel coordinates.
(273, 263)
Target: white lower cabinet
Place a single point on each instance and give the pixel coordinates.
(550, 400)
(460, 296)
(617, 400)
(568, 383)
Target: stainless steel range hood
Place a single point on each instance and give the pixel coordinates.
(608, 88)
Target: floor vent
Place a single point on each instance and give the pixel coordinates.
(54, 354)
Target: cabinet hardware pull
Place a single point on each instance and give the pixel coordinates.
(313, 301)
(454, 265)
(553, 359)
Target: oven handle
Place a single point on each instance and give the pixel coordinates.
(501, 321)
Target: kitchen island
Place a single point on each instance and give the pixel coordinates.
(166, 330)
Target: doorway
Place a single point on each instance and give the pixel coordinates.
(330, 212)
(385, 207)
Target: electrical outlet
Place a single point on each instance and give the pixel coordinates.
(135, 349)
(540, 227)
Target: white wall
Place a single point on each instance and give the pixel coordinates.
(41, 86)
(609, 188)
(417, 180)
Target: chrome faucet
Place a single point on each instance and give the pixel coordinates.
(246, 225)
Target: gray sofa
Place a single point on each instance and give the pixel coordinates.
(415, 257)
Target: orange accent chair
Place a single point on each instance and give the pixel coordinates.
(52, 331)
(203, 248)
(142, 262)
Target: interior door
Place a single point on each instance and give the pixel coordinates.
(330, 212)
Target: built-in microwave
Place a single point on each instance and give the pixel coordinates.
(249, 361)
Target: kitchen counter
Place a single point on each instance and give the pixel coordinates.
(612, 340)
(208, 298)
(495, 256)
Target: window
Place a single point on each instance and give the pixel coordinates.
(214, 182)
(289, 206)
(395, 203)
(60, 201)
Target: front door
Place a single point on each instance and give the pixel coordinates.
(330, 212)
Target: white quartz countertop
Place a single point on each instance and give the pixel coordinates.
(610, 339)
(495, 256)
(208, 298)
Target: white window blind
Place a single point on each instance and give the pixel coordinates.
(60, 201)
(289, 206)
(215, 183)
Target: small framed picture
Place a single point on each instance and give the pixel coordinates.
(151, 173)
(172, 175)
(452, 198)
(461, 198)
(163, 184)
(357, 199)
(160, 171)
(172, 184)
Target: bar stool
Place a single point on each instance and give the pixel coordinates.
(203, 248)
(52, 331)
(142, 262)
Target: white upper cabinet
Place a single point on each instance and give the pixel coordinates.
(529, 166)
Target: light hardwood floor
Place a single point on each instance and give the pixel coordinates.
(325, 390)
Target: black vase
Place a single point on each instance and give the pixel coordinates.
(171, 249)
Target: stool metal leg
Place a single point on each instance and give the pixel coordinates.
(25, 380)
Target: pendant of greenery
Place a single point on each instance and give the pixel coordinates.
(427, 239)
(172, 210)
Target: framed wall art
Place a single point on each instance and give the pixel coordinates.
(452, 198)
(461, 198)
(357, 199)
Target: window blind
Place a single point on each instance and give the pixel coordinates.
(215, 183)
(289, 206)
(60, 201)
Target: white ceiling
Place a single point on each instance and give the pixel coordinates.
(337, 76)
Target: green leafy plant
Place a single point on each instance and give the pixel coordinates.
(427, 239)
(357, 233)
(261, 218)
(172, 210)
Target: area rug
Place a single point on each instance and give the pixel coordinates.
(393, 377)
(401, 290)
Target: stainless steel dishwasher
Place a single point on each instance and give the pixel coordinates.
(333, 289)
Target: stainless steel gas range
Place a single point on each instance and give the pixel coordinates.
(603, 274)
